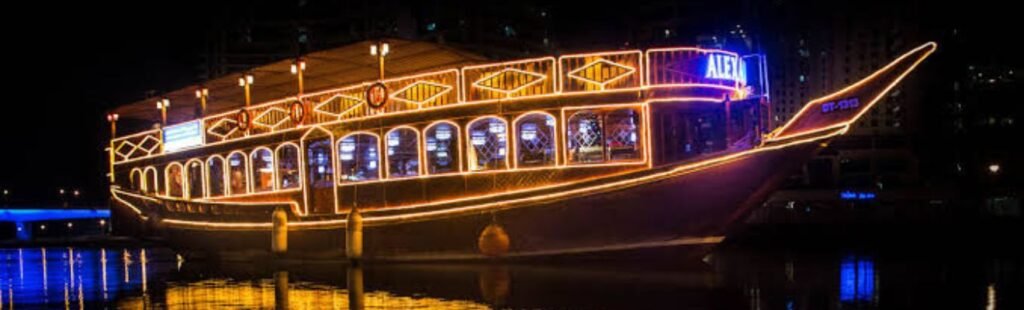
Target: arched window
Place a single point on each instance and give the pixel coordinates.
(585, 137)
(441, 141)
(194, 175)
(535, 140)
(403, 145)
(622, 135)
(173, 177)
(318, 161)
(488, 144)
(262, 160)
(236, 174)
(150, 184)
(287, 166)
(136, 179)
(215, 176)
(358, 158)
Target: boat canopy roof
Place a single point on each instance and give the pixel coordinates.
(325, 69)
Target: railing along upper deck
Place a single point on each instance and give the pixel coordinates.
(573, 74)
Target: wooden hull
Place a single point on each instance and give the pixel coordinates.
(691, 209)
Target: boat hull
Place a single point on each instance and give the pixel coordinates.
(693, 209)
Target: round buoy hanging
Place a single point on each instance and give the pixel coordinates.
(243, 119)
(377, 95)
(493, 240)
(297, 112)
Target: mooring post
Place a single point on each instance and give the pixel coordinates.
(354, 235)
(279, 234)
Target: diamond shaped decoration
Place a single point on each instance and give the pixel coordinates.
(421, 92)
(272, 118)
(223, 128)
(509, 80)
(338, 105)
(125, 149)
(149, 144)
(601, 72)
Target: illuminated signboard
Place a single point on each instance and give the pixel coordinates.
(722, 66)
(841, 105)
(183, 136)
(852, 195)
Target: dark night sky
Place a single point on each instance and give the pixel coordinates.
(72, 61)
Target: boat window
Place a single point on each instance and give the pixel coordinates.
(136, 179)
(586, 137)
(215, 176)
(174, 182)
(622, 131)
(535, 146)
(236, 174)
(262, 170)
(488, 144)
(403, 153)
(358, 158)
(441, 142)
(194, 173)
(318, 160)
(288, 166)
(151, 184)
(602, 136)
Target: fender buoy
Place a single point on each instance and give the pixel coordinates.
(493, 241)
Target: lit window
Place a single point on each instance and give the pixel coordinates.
(403, 153)
(586, 138)
(174, 182)
(604, 136)
(318, 162)
(622, 134)
(262, 170)
(358, 158)
(151, 185)
(535, 134)
(194, 172)
(136, 179)
(441, 142)
(488, 144)
(215, 176)
(287, 166)
(236, 174)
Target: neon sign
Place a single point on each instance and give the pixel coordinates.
(852, 195)
(725, 67)
(182, 136)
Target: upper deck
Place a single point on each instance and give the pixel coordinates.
(683, 72)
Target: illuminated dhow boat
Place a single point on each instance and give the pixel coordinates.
(564, 155)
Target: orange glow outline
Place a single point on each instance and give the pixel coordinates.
(305, 176)
(458, 145)
(419, 153)
(508, 92)
(647, 56)
(227, 170)
(565, 129)
(256, 120)
(156, 179)
(141, 179)
(469, 143)
(252, 170)
(604, 84)
(167, 178)
(223, 176)
(514, 132)
(601, 55)
(380, 171)
(931, 46)
(278, 181)
(318, 106)
(186, 175)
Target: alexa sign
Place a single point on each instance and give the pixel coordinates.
(183, 136)
(725, 67)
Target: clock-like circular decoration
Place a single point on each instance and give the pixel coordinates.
(243, 119)
(298, 112)
(377, 95)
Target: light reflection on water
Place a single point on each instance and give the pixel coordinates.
(85, 278)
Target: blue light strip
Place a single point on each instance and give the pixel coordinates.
(31, 215)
